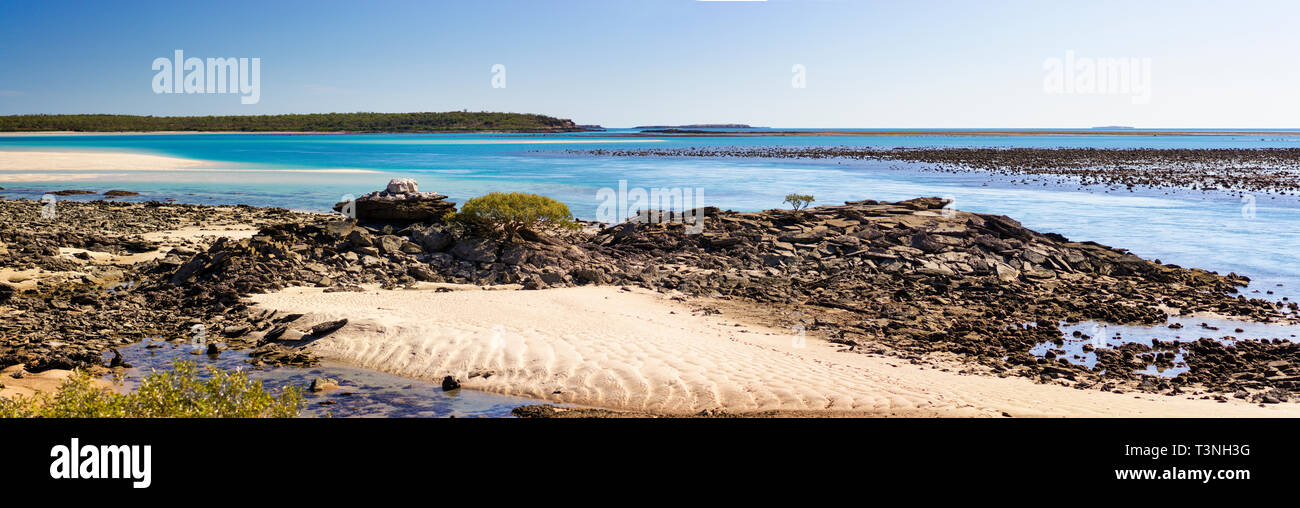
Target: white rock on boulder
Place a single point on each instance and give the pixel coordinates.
(400, 202)
(402, 186)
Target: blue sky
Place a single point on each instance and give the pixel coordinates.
(622, 62)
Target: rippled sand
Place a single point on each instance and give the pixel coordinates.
(637, 350)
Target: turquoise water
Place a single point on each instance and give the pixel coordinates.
(1191, 229)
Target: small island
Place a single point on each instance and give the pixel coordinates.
(700, 126)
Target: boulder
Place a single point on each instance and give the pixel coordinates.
(402, 186)
(433, 238)
(327, 327)
(478, 250)
(400, 202)
(321, 384)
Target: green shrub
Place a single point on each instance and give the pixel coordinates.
(178, 393)
(509, 213)
(798, 201)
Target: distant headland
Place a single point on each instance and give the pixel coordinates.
(455, 121)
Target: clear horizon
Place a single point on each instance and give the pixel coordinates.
(873, 65)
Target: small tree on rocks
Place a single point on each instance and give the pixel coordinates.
(799, 201)
(508, 213)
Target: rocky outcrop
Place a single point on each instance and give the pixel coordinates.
(400, 202)
(75, 309)
(909, 278)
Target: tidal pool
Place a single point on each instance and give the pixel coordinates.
(1095, 335)
(361, 392)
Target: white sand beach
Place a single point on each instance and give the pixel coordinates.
(19, 166)
(11, 160)
(637, 350)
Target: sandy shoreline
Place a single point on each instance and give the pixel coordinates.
(72, 166)
(139, 133)
(639, 351)
(11, 160)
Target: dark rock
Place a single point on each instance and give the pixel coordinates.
(400, 203)
(478, 250)
(434, 238)
(276, 332)
(327, 327)
(321, 384)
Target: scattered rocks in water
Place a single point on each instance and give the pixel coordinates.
(276, 354)
(322, 384)
(449, 383)
(119, 193)
(72, 192)
(1247, 170)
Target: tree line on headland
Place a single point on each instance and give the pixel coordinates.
(455, 121)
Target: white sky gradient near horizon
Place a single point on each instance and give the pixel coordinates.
(620, 63)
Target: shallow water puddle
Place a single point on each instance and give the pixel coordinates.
(1080, 340)
(361, 392)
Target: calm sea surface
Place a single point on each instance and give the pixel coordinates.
(1200, 229)
(1194, 229)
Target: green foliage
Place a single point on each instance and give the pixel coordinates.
(799, 201)
(509, 213)
(456, 121)
(178, 393)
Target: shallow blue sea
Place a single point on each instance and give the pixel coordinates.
(1195, 229)
(1201, 229)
